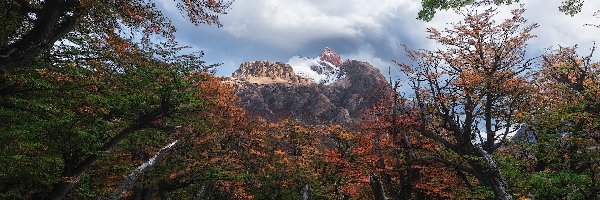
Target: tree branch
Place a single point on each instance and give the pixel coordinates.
(447, 162)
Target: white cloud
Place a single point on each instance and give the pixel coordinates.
(555, 28)
(360, 29)
(366, 53)
(290, 24)
(559, 29)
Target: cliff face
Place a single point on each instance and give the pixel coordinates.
(328, 55)
(275, 91)
(268, 72)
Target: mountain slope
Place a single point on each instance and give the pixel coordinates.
(321, 90)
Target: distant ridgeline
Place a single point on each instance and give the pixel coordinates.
(322, 90)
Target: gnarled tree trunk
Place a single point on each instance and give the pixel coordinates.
(493, 177)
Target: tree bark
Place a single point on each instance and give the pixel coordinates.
(306, 193)
(376, 187)
(493, 177)
(387, 178)
(133, 177)
(72, 176)
(52, 24)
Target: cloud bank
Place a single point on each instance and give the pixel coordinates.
(371, 31)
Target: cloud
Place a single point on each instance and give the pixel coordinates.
(357, 29)
(367, 53)
(559, 29)
(291, 24)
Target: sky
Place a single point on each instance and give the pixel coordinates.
(365, 30)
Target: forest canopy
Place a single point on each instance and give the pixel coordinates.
(98, 100)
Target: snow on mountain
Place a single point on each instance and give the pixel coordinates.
(323, 69)
(320, 71)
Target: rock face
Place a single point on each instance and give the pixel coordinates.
(268, 72)
(330, 56)
(275, 91)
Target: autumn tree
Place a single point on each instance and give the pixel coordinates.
(386, 148)
(94, 86)
(208, 158)
(292, 161)
(343, 171)
(391, 149)
(379, 157)
(84, 97)
(468, 92)
(32, 27)
(78, 110)
(567, 79)
(233, 157)
(564, 119)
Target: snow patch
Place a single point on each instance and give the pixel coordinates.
(321, 72)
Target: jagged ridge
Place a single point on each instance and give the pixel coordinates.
(275, 90)
(267, 72)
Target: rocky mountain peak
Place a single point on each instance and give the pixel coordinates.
(309, 90)
(329, 55)
(324, 69)
(266, 72)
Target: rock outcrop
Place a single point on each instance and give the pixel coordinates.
(267, 72)
(273, 90)
(330, 56)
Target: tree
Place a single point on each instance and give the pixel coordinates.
(382, 157)
(215, 156)
(76, 113)
(98, 82)
(293, 158)
(387, 148)
(430, 7)
(565, 119)
(473, 85)
(390, 147)
(558, 157)
(568, 84)
(32, 27)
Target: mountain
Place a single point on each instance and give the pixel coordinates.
(321, 90)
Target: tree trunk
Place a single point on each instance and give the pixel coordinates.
(387, 178)
(492, 176)
(133, 177)
(47, 29)
(306, 193)
(377, 188)
(410, 174)
(406, 187)
(71, 177)
(60, 190)
(200, 194)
